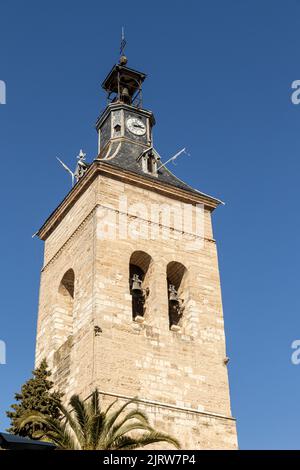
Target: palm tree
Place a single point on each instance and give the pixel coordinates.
(86, 427)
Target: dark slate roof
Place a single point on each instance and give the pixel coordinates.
(127, 157)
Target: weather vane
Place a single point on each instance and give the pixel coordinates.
(123, 58)
(172, 159)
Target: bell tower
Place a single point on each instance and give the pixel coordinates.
(124, 116)
(125, 127)
(130, 295)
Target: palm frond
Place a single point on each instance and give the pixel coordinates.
(110, 406)
(145, 439)
(81, 413)
(111, 419)
(154, 436)
(135, 414)
(140, 419)
(96, 427)
(31, 416)
(72, 423)
(125, 443)
(95, 406)
(125, 430)
(55, 430)
(86, 427)
(63, 439)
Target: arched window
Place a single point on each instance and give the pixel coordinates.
(176, 274)
(138, 283)
(64, 308)
(150, 160)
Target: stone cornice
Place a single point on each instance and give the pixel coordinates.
(100, 167)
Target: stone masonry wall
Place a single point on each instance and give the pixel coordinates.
(194, 430)
(183, 370)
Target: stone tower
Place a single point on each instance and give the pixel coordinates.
(130, 298)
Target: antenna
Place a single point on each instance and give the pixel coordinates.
(172, 159)
(68, 170)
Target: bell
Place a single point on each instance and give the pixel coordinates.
(173, 295)
(125, 95)
(136, 287)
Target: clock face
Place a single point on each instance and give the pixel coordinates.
(136, 126)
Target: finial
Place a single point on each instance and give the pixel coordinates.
(123, 58)
(82, 166)
(81, 156)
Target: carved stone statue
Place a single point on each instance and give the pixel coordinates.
(81, 167)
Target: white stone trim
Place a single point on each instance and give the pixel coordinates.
(165, 405)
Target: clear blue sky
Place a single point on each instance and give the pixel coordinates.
(219, 76)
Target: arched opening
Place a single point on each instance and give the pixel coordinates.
(149, 159)
(64, 317)
(138, 283)
(176, 273)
